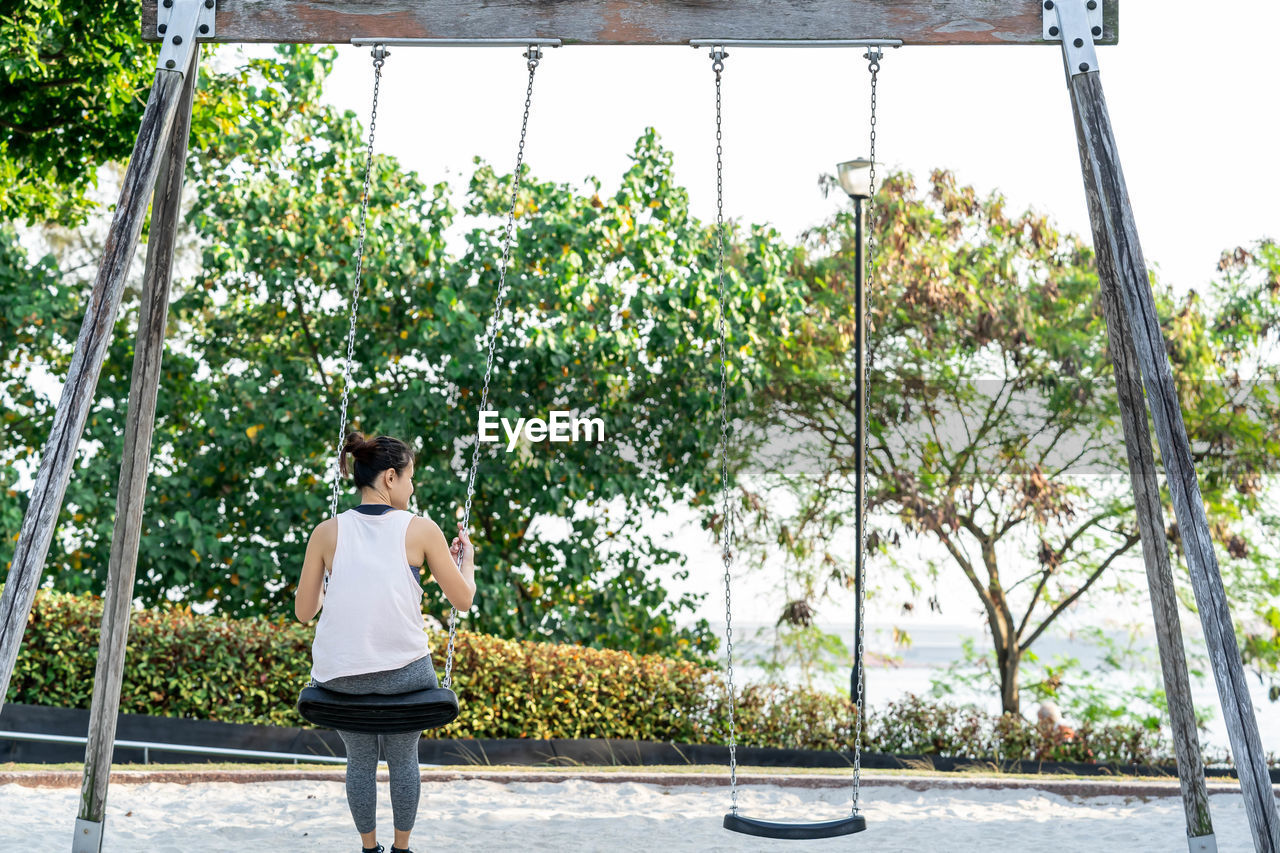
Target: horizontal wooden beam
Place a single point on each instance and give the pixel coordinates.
(670, 22)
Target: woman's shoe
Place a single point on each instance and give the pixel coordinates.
(378, 849)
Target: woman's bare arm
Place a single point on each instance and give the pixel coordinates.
(310, 594)
(458, 583)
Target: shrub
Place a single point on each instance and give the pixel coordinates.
(185, 664)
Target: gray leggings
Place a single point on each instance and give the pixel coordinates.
(400, 749)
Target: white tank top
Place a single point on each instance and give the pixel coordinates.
(372, 617)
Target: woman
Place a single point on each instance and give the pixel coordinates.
(1055, 731)
(371, 637)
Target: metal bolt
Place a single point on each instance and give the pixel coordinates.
(204, 28)
(162, 28)
(168, 4)
(1092, 4)
(1097, 31)
(177, 39)
(1084, 66)
(208, 4)
(169, 63)
(1048, 4)
(1053, 31)
(1078, 42)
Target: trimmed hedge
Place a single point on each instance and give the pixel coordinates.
(184, 664)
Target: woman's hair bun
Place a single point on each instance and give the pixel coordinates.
(373, 456)
(357, 445)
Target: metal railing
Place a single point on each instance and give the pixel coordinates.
(147, 746)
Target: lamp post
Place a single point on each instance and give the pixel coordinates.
(855, 179)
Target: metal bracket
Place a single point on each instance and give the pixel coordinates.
(88, 837)
(1076, 23)
(1203, 844)
(179, 23)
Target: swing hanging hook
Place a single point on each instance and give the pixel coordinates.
(718, 55)
(533, 54)
(379, 54)
(874, 54)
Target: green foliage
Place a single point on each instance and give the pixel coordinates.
(611, 313)
(34, 303)
(184, 664)
(807, 648)
(993, 416)
(1080, 692)
(912, 725)
(1235, 399)
(1261, 647)
(34, 307)
(916, 726)
(69, 100)
(75, 80)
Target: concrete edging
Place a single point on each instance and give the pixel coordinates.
(1063, 787)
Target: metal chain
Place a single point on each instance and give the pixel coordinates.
(379, 54)
(873, 54)
(718, 55)
(533, 54)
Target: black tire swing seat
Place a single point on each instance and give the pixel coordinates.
(378, 713)
(854, 822)
(389, 713)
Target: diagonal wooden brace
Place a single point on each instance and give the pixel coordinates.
(1115, 237)
(57, 457)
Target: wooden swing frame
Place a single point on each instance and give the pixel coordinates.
(1136, 344)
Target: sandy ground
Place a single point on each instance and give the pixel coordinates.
(579, 815)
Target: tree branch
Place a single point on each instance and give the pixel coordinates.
(315, 353)
(1065, 603)
(1057, 558)
(987, 425)
(983, 595)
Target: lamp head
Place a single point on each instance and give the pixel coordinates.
(855, 177)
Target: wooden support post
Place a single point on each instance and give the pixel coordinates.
(58, 456)
(1155, 552)
(1116, 238)
(136, 458)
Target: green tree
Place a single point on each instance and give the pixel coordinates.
(75, 80)
(993, 417)
(610, 314)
